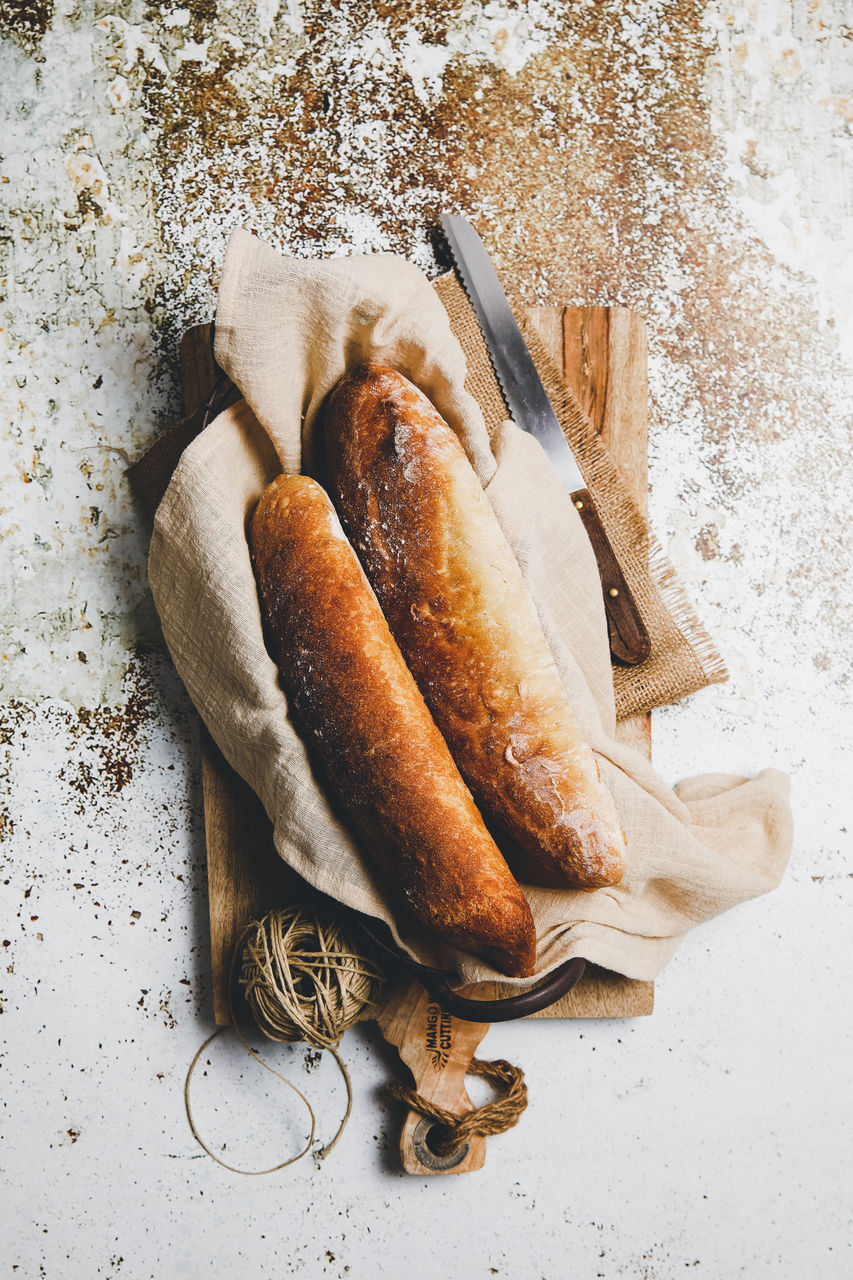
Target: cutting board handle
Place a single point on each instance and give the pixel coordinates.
(437, 1048)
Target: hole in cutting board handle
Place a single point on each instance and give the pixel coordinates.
(423, 1131)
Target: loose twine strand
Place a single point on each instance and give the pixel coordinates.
(304, 980)
(493, 1117)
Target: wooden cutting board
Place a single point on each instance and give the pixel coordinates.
(603, 354)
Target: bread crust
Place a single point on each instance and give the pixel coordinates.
(369, 725)
(456, 603)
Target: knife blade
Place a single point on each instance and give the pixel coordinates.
(529, 407)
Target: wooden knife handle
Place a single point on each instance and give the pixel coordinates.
(629, 639)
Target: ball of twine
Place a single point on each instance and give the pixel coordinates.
(304, 978)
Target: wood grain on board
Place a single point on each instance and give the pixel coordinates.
(603, 353)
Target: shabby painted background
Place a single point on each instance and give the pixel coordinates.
(689, 160)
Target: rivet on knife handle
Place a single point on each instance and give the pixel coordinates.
(629, 639)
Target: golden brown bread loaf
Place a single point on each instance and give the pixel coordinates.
(457, 605)
(362, 711)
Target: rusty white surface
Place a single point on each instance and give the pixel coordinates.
(690, 161)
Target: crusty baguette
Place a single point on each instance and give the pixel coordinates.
(384, 756)
(457, 605)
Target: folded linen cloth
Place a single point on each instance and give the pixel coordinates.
(286, 329)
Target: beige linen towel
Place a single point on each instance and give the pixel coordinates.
(286, 330)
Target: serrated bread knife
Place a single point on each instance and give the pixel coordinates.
(529, 407)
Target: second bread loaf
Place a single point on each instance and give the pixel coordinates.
(457, 605)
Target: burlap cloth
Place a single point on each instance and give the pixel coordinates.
(286, 329)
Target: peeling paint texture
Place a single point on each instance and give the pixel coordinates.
(689, 160)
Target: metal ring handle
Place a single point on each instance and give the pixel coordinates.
(552, 989)
(555, 986)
